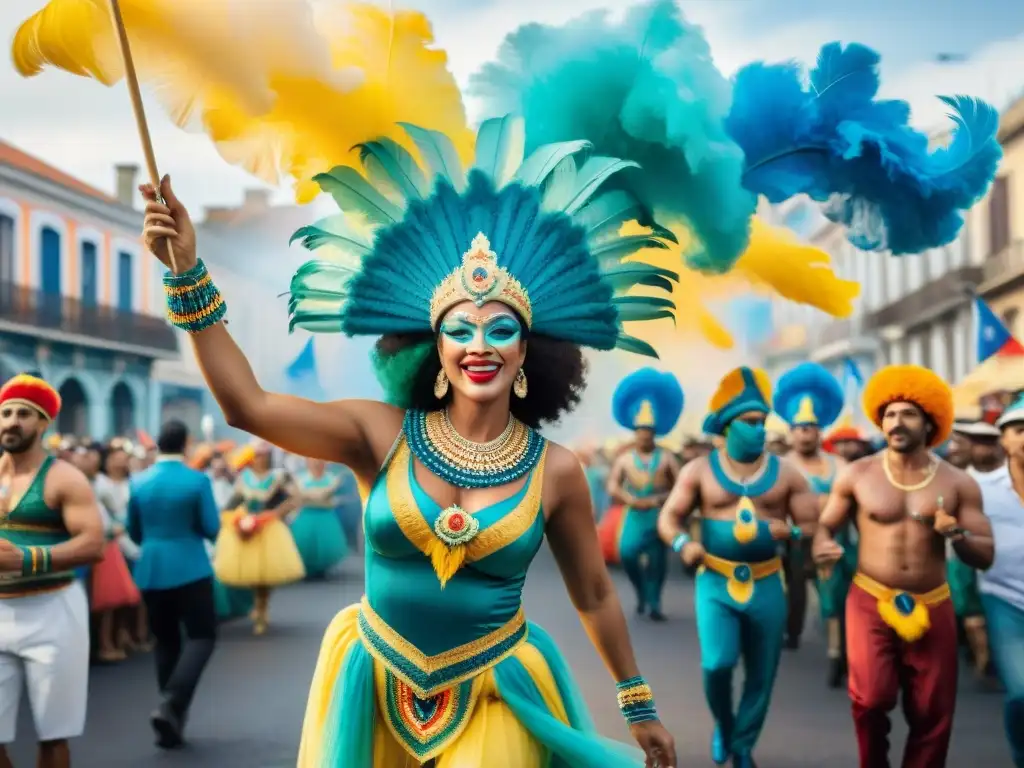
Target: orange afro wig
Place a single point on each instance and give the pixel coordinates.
(911, 384)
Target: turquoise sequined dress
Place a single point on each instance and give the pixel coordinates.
(317, 528)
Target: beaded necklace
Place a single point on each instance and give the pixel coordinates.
(441, 449)
(745, 525)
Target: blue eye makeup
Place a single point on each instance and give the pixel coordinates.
(499, 330)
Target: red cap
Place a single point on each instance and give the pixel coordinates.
(35, 393)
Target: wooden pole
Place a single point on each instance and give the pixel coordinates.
(132, 80)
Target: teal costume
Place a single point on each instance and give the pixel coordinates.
(740, 597)
(646, 399)
(808, 395)
(316, 528)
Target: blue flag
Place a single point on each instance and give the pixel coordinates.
(994, 338)
(303, 380)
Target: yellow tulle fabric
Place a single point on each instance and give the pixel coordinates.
(282, 87)
(267, 559)
(493, 737)
(775, 262)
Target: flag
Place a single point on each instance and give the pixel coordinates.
(994, 338)
(853, 384)
(301, 374)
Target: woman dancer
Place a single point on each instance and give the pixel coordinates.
(317, 526)
(482, 288)
(255, 548)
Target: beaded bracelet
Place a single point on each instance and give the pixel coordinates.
(193, 301)
(35, 561)
(680, 541)
(636, 701)
(795, 533)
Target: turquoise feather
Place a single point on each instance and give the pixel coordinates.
(557, 235)
(392, 167)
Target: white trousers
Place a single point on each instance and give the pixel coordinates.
(44, 646)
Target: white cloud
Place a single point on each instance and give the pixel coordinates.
(995, 73)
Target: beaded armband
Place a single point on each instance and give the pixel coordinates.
(35, 561)
(193, 301)
(795, 533)
(680, 541)
(636, 701)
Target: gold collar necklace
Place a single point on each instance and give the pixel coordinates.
(931, 471)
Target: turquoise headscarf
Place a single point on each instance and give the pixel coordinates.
(741, 391)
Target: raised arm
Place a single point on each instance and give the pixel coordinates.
(681, 501)
(335, 431)
(977, 548)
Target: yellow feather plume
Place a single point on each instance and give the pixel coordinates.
(280, 87)
(775, 262)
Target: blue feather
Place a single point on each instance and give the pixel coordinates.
(661, 390)
(439, 154)
(500, 145)
(390, 165)
(814, 381)
(838, 144)
(644, 90)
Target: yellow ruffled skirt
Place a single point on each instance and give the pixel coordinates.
(525, 712)
(269, 558)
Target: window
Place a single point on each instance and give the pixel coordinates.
(50, 278)
(999, 215)
(6, 249)
(124, 281)
(88, 274)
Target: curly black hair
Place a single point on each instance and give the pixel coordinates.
(555, 373)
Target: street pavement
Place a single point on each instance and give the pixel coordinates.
(249, 709)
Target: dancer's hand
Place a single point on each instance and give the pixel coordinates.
(692, 554)
(168, 222)
(780, 529)
(948, 526)
(826, 552)
(11, 557)
(657, 744)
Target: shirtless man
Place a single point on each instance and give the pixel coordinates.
(746, 497)
(49, 525)
(809, 399)
(900, 624)
(648, 402)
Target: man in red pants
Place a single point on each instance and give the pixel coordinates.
(900, 624)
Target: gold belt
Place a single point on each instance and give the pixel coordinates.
(740, 577)
(906, 612)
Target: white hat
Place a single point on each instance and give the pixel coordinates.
(975, 429)
(1012, 414)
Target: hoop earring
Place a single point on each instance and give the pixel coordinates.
(441, 385)
(519, 385)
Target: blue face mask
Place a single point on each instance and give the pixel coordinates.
(745, 442)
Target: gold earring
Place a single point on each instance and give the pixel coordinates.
(519, 385)
(441, 384)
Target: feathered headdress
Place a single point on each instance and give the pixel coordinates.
(648, 399)
(539, 235)
(808, 395)
(834, 141)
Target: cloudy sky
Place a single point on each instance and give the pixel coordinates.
(85, 128)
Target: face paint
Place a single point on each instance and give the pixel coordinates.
(499, 329)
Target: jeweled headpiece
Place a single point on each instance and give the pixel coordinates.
(479, 279)
(540, 234)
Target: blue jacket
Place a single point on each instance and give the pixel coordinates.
(171, 512)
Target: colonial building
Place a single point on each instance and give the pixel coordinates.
(997, 227)
(77, 303)
(912, 309)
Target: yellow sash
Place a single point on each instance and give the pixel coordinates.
(905, 612)
(740, 577)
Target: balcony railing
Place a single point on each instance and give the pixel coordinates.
(31, 307)
(1006, 265)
